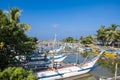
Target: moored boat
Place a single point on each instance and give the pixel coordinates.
(64, 72)
(107, 53)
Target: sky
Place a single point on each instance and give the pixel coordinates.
(65, 18)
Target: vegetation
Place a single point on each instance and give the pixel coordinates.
(87, 40)
(108, 35)
(109, 63)
(13, 73)
(70, 39)
(13, 40)
(101, 34)
(84, 40)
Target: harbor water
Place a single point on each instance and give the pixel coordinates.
(104, 67)
(96, 72)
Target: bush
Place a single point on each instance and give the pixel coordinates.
(13, 73)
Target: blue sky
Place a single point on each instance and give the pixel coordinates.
(73, 18)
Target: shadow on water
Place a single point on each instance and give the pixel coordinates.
(94, 67)
(86, 76)
(104, 66)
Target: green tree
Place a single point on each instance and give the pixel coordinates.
(14, 41)
(108, 35)
(87, 40)
(118, 36)
(101, 34)
(68, 39)
(112, 34)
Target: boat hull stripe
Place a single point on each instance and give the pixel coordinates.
(61, 74)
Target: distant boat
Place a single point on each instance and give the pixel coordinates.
(54, 53)
(68, 71)
(42, 62)
(58, 57)
(56, 50)
(108, 53)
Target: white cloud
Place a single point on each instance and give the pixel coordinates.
(55, 25)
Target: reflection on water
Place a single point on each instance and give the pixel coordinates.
(103, 68)
(99, 71)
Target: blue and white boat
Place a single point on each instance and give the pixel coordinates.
(42, 62)
(58, 57)
(68, 71)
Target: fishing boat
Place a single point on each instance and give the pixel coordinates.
(56, 54)
(67, 71)
(58, 57)
(107, 53)
(43, 62)
(56, 50)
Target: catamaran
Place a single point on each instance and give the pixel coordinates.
(68, 71)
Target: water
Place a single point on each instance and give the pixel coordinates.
(86, 76)
(97, 71)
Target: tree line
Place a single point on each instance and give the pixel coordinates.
(109, 35)
(105, 35)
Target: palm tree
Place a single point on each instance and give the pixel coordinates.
(101, 34)
(87, 40)
(112, 34)
(13, 17)
(118, 36)
(90, 39)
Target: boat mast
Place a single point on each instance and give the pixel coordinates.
(53, 52)
(77, 55)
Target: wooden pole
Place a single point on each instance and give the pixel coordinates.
(116, 71)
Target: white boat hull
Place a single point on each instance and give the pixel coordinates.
(65, 72)
(58, 58)
(62, 73)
